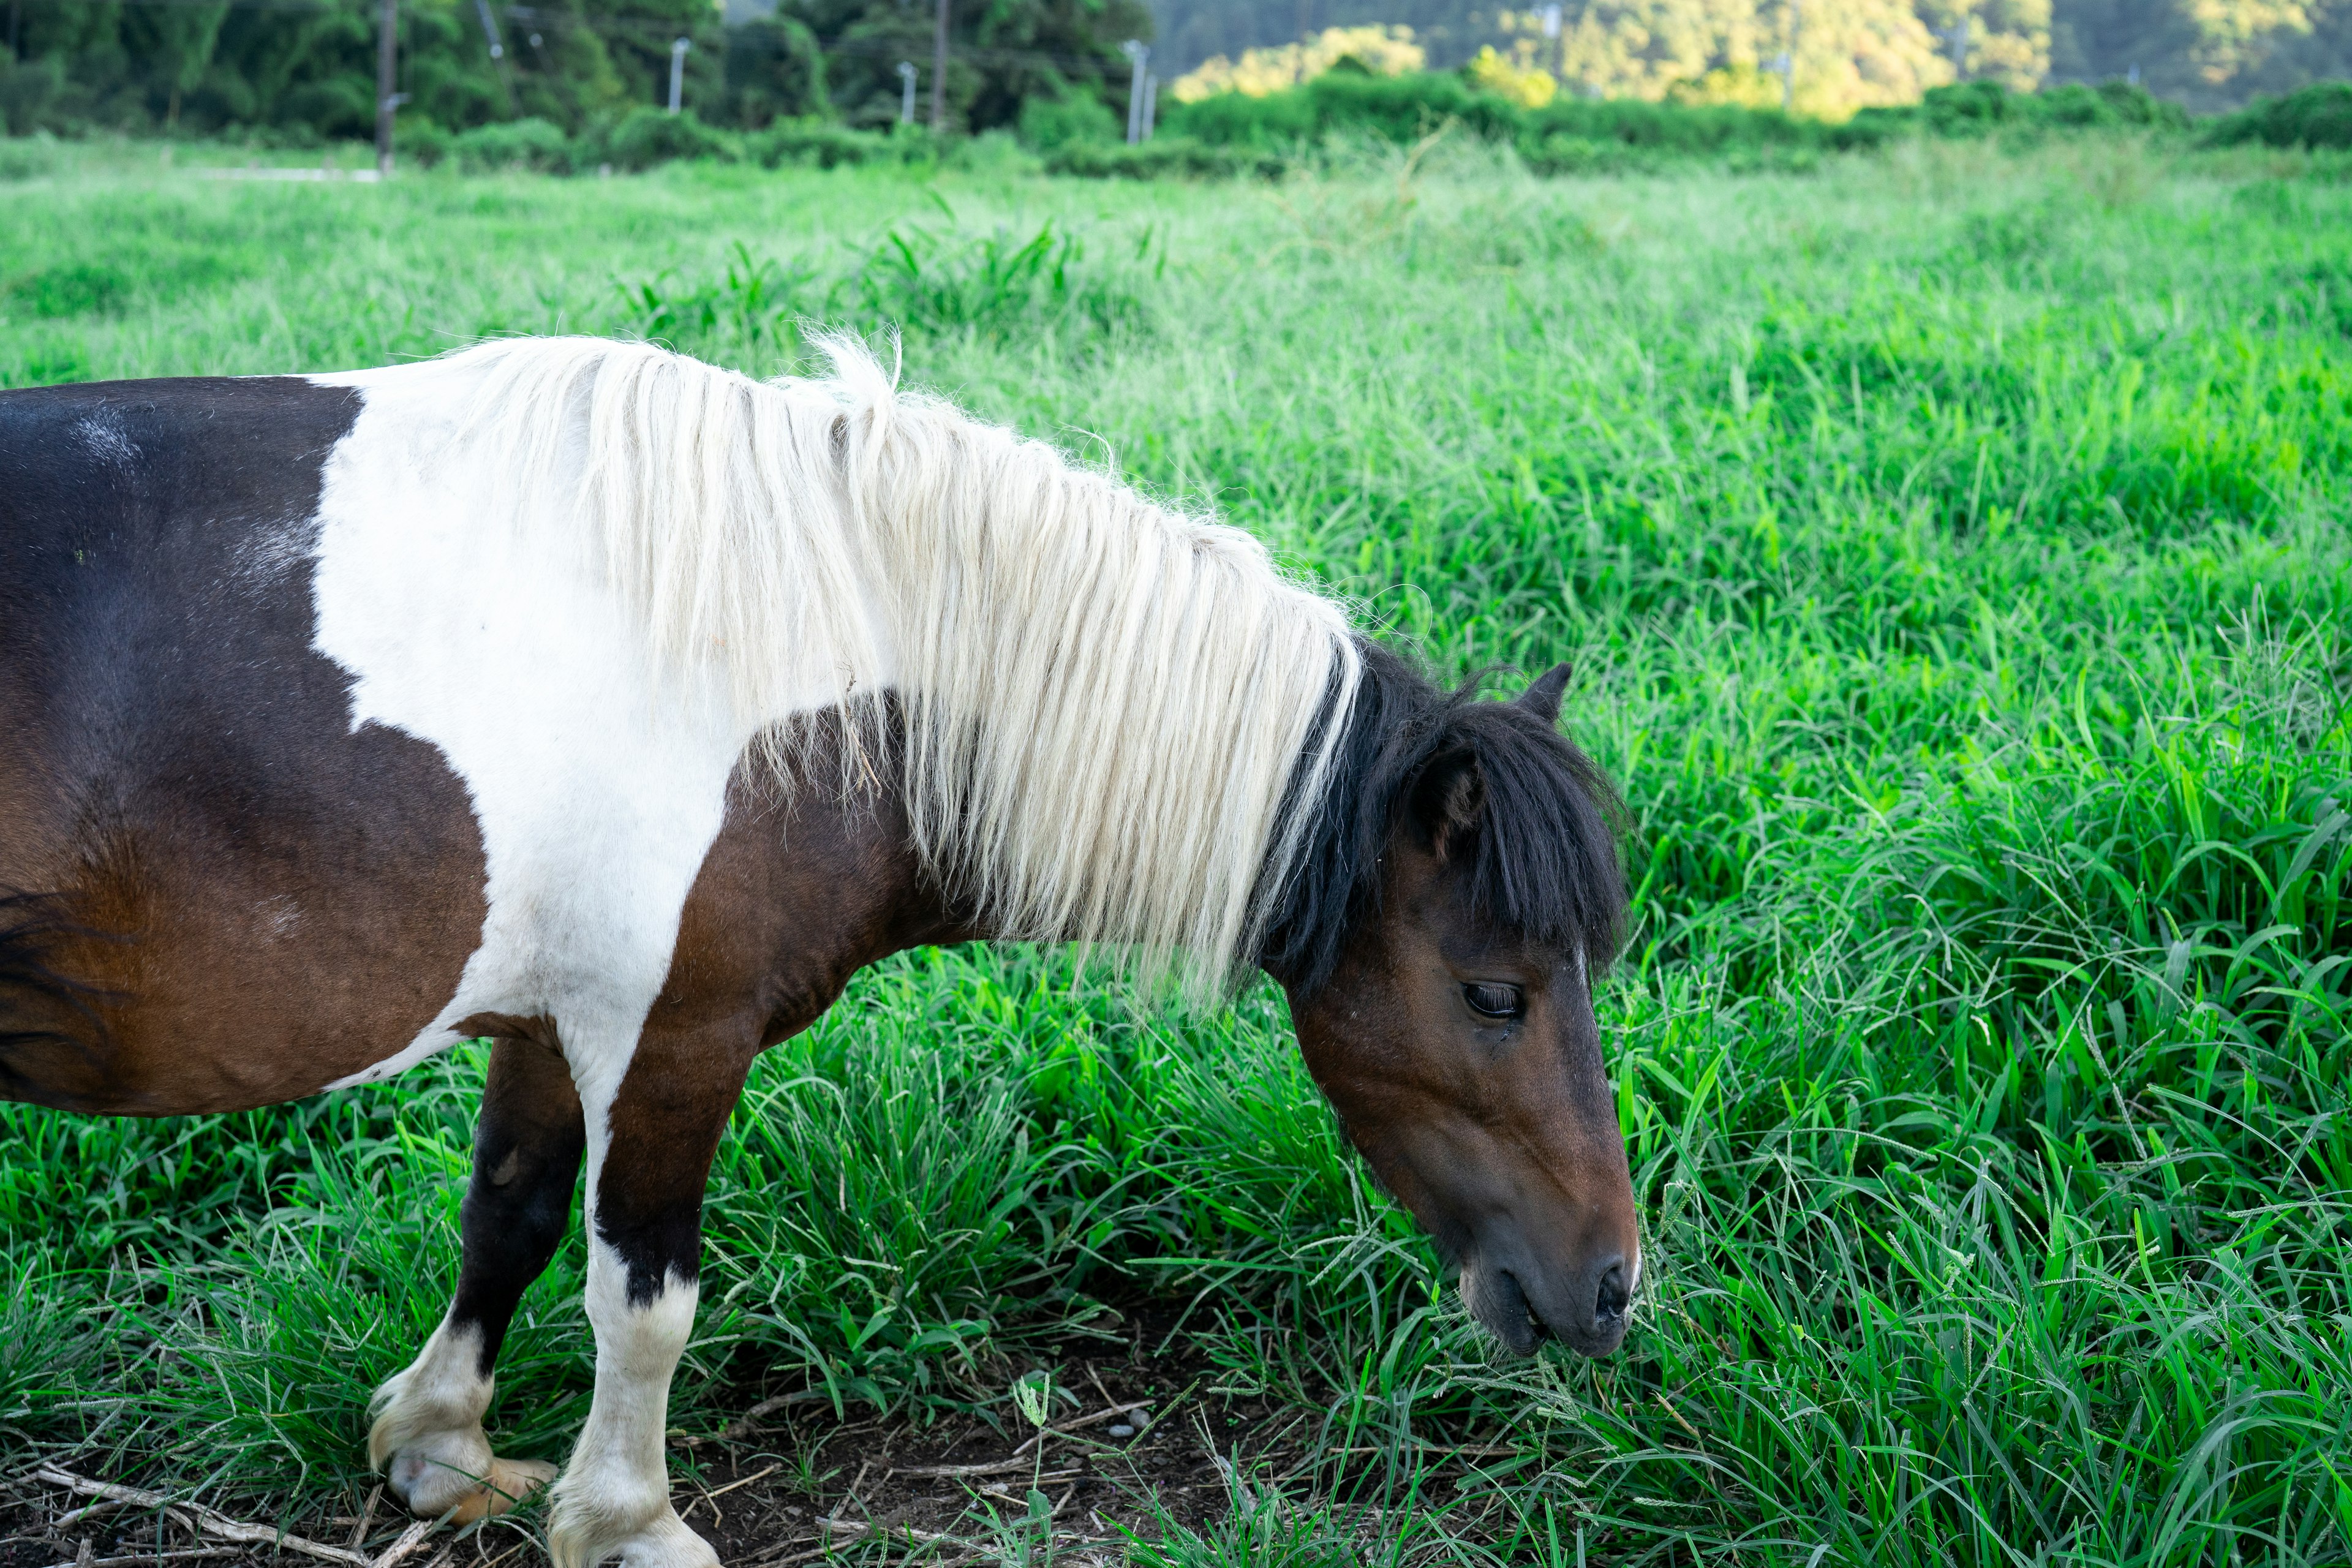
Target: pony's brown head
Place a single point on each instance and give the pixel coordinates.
(1456, 902)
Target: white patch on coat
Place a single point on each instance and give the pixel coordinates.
(1106, 702)
(597, 770)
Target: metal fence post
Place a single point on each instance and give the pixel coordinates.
(1137, 52)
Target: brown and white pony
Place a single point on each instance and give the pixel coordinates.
(620, 708)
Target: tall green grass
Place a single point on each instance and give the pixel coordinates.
(1952, 548)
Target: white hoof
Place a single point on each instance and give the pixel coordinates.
(455, 1474)
(578, 1541)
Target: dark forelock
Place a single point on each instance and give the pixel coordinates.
(1542, 864)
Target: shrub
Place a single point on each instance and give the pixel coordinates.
(2319, 115)
(826, 145)
(647, 136)
(1400, 108)
(1162, 155)
(1047, 123)
(1675, 128)
(29, 157)
(1971, 109)
(528, 144)
(418, 141)
(1562, 134)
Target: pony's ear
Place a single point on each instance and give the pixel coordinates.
(1542, 696)
(1447, 801)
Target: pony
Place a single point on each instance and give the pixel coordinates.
(619, 709)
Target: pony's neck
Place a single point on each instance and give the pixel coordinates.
(1117, 716)
(1112, 715)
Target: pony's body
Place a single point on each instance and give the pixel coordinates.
(620, 710)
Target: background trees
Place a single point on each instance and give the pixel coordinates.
(2207, 54)
(304, 69)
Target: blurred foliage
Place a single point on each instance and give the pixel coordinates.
(1383, 51)
(1567, 134)
(303, 72)
(2319, 115)
(2209, 55)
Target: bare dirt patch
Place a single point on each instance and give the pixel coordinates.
(1150, 1440)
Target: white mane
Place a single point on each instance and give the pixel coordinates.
(1103, 701)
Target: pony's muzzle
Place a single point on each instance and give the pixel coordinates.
(1586, 1307)
(1608, 1294)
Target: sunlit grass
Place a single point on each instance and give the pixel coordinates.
(1953, 552)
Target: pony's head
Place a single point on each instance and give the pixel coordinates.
(1452, 905)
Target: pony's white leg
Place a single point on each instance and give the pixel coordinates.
(614, 1499)
(427, 1435)
(651, 1136)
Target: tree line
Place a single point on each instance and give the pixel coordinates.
(2208, 55)
(307, 68)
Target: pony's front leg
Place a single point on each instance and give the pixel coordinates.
(649, 1156)
(429, 1427)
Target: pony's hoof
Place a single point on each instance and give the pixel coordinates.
(437, 1489)
(664, 1542)
(509, 1483)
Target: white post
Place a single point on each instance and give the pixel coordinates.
(1137, 52)
(905, 92)
(1150, 102)
(678, 72)
(1957, 38)
(490, 29)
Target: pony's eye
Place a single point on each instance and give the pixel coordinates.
(1490, 1001)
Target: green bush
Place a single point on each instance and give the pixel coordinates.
(1048, 124)
(1400, 108)
(1614, 136)
(419, 140)
(647, 136)
(29, 157)
(1973, 109)
(1162, 155)
(1684, 128)
(2319, 115)
(826, 145)
(525, 144)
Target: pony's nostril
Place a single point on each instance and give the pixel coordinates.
(1608, 1304)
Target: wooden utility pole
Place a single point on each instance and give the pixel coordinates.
(386, 47)
(939, 73)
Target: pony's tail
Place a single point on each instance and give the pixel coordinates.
(43, 1014)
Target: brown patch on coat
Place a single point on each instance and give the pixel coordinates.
(788, 905)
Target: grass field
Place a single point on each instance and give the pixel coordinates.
(1953, 550)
